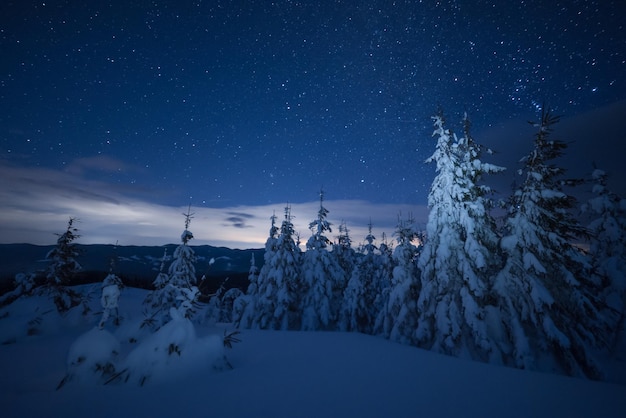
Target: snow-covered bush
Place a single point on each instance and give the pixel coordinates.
(23, 285)
(37, 315)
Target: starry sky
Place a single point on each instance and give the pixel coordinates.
(122, 113)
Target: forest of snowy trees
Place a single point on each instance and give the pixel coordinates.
(540, 292)
(524, 295)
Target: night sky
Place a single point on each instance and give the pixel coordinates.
(123, 112)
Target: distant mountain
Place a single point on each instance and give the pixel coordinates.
(138, 264)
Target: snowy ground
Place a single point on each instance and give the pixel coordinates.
(295, 374)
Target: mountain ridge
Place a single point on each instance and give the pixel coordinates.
(133, 262)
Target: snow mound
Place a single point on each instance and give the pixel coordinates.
(91, 358)
(171, 353)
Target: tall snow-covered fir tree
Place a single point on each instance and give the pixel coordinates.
(322, 276)
(62, 268)
(608, 249)
(363, 299)
(173, 290)
(544, 291)
(279, 281)
(182, 270)
(398, 318)
(460, 253)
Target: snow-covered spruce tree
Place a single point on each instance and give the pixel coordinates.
(322, 277)
(159, 300)
(399, 315)
(243, 306)
(608, 249)
(547, 300)
(363, 301)
(262, 297)
(279, 282)
(221, 304)
(111, 287)
(344, 253)
(229, 310)
(62, 268)
(387, 264)
(182, 271)
(213, 310)
(287, 276)
(253, 276)
(460, 254)
(172, 289)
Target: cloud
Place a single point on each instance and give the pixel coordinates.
(102, 163)
(238, 219)
(37, 202)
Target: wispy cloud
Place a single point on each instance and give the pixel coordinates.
(101, 163)
(37, 202)
(238, 219)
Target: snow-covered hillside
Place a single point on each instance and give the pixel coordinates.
(283, 374)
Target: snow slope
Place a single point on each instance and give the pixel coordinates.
(298, 374)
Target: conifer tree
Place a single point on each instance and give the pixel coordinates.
(346, 258)
(363, 301)
(387, 264)
(288, 277)
(62, 268)
(111, 287)
(263, 296)
(608, 249)
(244, 305)
(253, 275)
(182, 271)
(176, 289)
(547, 300)
(345, 254)
(279, 280)
(460, 252)
(400, 315)
(159, 300)
(322, 277)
